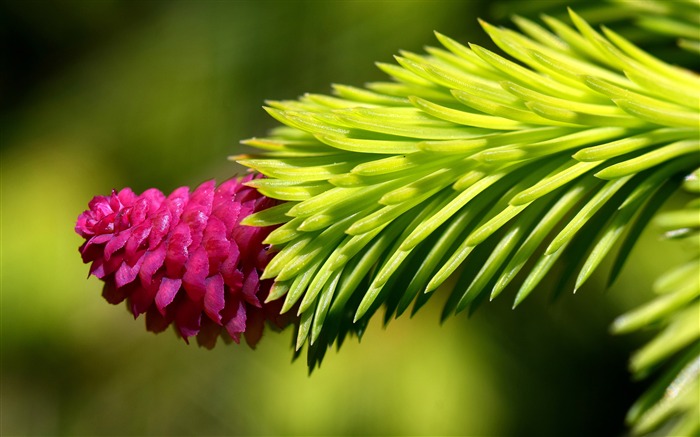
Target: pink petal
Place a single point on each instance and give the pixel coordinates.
(197, 221)
(167, 292)
(139, 211)
(246, 194)
(102, 267)
(155, 321)
(263, 258)
(138, 236)
(202, 198)
(246, 237)
(250, 287)
(92, 249)
(236, 324)
(198, 210)
(152, 261)
(116, 243)
(86, 222)
(188, 318)
(176, 256)
(196, 271)
(97, 268)
(155, 199)
(176, 203)
(141, 299)
(160, 225)
(228, 188)
(114, 203)
(126, 197)
(112, 294)
(100, 239)
(228, 211)
(233, 277)
(104, 225)
(208, 333)
(126, 274)
(99, 205)
(255, 324)
(121, 220)
(214, 301)
(216, 244)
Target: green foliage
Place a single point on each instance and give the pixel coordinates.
(653, 23)
(471, 169)
(675, 351)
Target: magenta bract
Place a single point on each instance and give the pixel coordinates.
(184, 259)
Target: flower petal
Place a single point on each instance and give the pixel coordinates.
(155, 199)
(160, 225)
(166, 293)
(126, 197)
(237, 323)
(255, 324)
(250, 287)
(198, 210)
(176, 203)
(101, 267)
(228, 211)
(208, 333)
(188, 318)
(196, 271)
(126, 274)
(216, 244)
(138, 236)
(139, 211)
(214, 299)
(112, 294)
(152, 261)
(141, 299)
(116, 243)
(91, 250)
(155, 321)
(176, 256)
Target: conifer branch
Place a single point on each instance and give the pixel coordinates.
(485, 168)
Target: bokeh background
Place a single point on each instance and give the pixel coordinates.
(96, 95)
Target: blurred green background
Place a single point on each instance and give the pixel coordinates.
(96, 95)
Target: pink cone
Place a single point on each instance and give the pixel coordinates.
(184, 259)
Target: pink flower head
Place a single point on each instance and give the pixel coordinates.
(184, 259)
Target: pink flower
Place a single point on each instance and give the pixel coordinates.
(184, 259)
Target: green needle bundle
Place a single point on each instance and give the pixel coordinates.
(489, 169)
